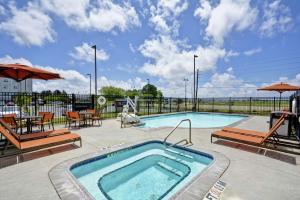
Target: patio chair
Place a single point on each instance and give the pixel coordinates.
(30, 136)
(47, 119)
(249, 136)
(37, 144)
(96, 116)
(10, 119)
(74, 117)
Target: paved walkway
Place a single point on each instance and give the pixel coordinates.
(249, 176)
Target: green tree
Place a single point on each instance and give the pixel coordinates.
(149, 90)
(112, 91)
(132, 93)
(159, 94)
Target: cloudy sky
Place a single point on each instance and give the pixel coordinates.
(241, 44)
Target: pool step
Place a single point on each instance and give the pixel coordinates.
(180, 154)
(170, 169)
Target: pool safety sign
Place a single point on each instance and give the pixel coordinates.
(215, 192)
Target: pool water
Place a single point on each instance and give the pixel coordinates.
(144, 172)
(199, 120)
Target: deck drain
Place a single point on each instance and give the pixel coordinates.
(215, 192)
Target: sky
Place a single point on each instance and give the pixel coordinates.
(241, 44)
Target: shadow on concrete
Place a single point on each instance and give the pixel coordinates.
(268, 153)
(12, 160)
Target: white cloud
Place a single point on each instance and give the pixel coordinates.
(74, 81)
(87, 54)
(171, 61)
(163, 15)
(2, 10)
(227, 16)
(276, 18)
(28, 25)
(135, 83)
(101, 15)
(252, 51)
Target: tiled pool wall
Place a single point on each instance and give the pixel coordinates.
(68, 187)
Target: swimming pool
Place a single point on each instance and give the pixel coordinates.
(147, 171)
(199, 120)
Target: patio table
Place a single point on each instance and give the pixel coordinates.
(85, 115)
(29, 119)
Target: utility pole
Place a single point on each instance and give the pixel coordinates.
(95, 48)
(194, 95)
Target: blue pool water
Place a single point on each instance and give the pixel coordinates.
(199, 120)
(145, 172)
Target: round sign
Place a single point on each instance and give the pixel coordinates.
(101, 100)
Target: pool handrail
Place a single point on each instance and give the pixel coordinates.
(189, 141)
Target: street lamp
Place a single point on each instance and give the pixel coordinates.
(185, 80)
(90, 83)
(194, 100)
(95, 48)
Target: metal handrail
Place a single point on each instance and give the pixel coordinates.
(190, 132)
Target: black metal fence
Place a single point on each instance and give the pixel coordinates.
(33, 103)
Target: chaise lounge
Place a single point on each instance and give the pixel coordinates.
(36, 141)
(249, 136)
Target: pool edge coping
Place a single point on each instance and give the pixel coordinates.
(67, 187)
(246, 117)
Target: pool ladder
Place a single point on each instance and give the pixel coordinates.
(188, 141)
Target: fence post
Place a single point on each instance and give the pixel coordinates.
(250, 105)
(35, 103)
(229, 103)
(93, 101)
(170, 99)
(73, 102)
(274, 103)
(177, 104)
(213, 104)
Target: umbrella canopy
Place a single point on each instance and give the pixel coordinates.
(21, 72)
(280, 87)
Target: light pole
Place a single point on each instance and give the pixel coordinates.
(194, 100)
(95, 48)
(185, 80)
(90, 83)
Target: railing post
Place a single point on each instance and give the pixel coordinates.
(274, 103)
(250, 105)
(35, 103)
(229, 105)
(170, 104)
(177, 104)
(93, 101)
(73, 102)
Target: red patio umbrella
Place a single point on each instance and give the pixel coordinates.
(21, 72)
(280, 87)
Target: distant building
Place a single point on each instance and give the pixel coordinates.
(10, 85)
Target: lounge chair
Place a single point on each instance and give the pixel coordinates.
(36, 144)
(249, 136)
(30, 136)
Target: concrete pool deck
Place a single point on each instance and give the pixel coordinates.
(250, 175)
